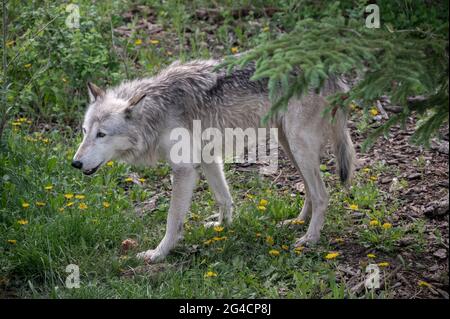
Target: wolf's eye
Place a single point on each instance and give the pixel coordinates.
(100, 134)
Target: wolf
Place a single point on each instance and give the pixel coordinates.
(132, 123)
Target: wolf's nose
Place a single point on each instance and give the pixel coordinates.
(77, 164)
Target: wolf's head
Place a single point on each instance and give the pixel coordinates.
(108, 132)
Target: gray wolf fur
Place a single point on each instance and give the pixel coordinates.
(132, 123)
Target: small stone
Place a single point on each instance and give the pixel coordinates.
(434, 268)
(443, 148)
(440, 253)
(378, 118)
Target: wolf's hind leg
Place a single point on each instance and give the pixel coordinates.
(216, 180)
(308, 161)
(184, 181)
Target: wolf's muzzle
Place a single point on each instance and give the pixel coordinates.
(92, 171)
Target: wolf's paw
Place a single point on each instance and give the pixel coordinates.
(291, 222)
(150, 256)
(307, 240)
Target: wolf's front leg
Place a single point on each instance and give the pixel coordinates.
(184, 180)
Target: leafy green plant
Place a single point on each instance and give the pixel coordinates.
(51, 63)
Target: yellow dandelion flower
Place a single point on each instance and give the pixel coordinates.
(266, 29)
(210, 274)
(16, 124)
(374, 223)
(61, 209)
(383, 264)
(234, 50)
(298, 250)
(40, 204)
(354, 207)
(285, 247)
(331, 256)
(80, 196)
(68, 196)
(70, 204)
(216, 238)
(373, 111)
(106, 204)
(27, 66)
(387, 225)
(262, 208)
(297, 222)
(218, 229)
(371, 256)
(128, 179)
(373, 178)
(25, 205)
(48, 187)
(208, 242)
(22, 222)
(82, 206)
(274, 252)
(263, 202)
(30, 139)
(366, 170)
(249, 196)
(138, 42)
(142, 180)
(154, 41)
(269, 240)
(45, 140)
(110, 163)
(22, 119)
(422, 283)
(12, 241)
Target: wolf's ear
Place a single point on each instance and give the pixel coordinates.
(133, 101)
(94, 92)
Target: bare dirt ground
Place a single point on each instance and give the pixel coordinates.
(425, 198)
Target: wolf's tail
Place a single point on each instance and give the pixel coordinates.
(343, 147)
